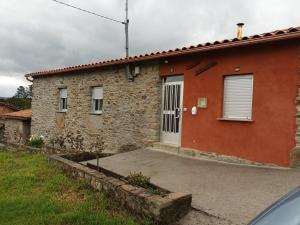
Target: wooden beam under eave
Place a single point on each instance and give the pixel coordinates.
(205, 67)
(192, 65)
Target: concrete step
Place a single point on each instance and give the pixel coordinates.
(166, 147)
(197, 154)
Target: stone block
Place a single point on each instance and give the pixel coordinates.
(295, 158)
(81, 174)
(128, 188)
(298, 121)
(98, 185)
(87, 177)
(2, 147)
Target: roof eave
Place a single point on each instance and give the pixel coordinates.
(179, 52)
(10, 106)
(16, 118)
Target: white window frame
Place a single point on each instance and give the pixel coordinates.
(63, 99)
(97, 98)
(240, 95)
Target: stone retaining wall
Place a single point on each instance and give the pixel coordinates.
(48, 150)
(24, 148)
(162, 209)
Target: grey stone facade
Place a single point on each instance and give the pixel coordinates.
(1, 131)
(131, 110)
(16, 131)
(295, 154)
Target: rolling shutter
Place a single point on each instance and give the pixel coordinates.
(63, 93)
(97, 93)
(238, 97)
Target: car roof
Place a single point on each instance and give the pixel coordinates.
(291, 195)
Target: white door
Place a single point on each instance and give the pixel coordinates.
(171, 119)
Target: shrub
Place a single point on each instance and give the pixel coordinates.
(138, 179)
(36, 141)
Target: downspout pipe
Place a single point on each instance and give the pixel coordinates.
(28, 78)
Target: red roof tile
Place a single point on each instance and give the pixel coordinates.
(290, 33)
(9, 106)
(19, 115)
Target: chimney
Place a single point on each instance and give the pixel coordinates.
(240, 30)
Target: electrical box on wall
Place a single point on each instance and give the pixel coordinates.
(202, 103)
(194, 110)
(137, 70)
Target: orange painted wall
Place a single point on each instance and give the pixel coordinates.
(271, 135)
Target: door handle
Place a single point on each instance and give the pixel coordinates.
(177, 112)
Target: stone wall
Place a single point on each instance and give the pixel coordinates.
(1, 131)
(16, 131)
(131, 110)
(295, 154)
(163, 209)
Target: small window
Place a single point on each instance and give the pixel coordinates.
(97, 100)
(63, 100)
(238, 97)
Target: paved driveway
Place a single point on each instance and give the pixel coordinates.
(231, 192)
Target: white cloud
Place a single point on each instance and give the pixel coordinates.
(40, 34)
(9, 84)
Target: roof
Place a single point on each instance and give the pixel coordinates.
(19, 115)
(9, 106)
(286, 34)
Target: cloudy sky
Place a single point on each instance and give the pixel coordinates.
(41, 34)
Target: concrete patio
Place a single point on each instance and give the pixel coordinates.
(230, 193)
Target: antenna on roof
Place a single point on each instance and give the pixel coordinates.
(126, 22)
(126, 29)
(128, 72)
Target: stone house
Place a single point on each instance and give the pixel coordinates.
(236, 97)
(124, 117)
(1, 131)
(17, 126)
(5, 108)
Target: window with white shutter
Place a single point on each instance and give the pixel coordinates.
(97, 100)
(63, 100)
(238, 92)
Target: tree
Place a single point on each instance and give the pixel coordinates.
(21, 103)
(22, 98)
(24, 92)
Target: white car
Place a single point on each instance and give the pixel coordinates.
(286, 211)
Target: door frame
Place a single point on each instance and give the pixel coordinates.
(179, 79)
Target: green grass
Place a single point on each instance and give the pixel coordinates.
(32, 192)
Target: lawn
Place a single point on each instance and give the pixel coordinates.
(32, 192)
